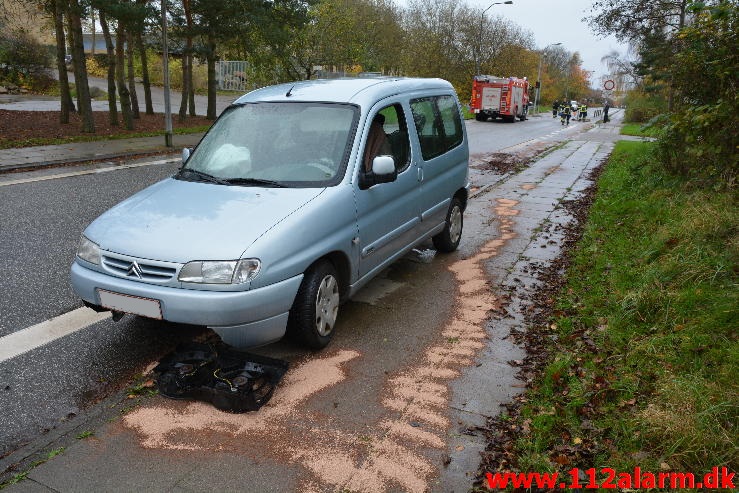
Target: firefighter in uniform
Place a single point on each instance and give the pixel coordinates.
(583, 112)
(555, 107)
(565, 114)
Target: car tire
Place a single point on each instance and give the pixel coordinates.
(448, 240)
(313, 315)
(481, 117)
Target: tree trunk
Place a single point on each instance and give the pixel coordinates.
(145, 74)
(212, 83)
(190, 58)
(120, 77)
(61, 65)
(132, 77)
(185, 89)
(191, 94)
(112, 106)
(70, 47)
(84, 102)
(94, 32)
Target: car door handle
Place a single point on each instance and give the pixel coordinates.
(420, 174)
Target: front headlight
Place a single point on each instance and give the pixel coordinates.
(88, 251)
(220, 271)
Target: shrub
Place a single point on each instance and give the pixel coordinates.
(701, 137)
(22, 59)
(97, 65)
(642, 106)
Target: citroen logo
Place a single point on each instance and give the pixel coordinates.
(134, 270)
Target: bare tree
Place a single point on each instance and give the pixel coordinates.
(621, 70)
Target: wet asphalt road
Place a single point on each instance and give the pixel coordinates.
(40, 229)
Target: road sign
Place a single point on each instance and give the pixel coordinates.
(609, 85)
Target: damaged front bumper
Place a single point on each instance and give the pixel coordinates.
(241, 318)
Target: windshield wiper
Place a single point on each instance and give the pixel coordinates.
(253, 181)
(200, 174)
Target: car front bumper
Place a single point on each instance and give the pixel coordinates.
(241, 318)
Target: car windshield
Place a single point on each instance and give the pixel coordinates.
(275, 144)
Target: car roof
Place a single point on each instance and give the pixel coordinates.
(362, 91)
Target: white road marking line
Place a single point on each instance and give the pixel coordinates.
(85, 172)
(20, 342)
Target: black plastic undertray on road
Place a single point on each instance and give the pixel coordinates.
(231, 380)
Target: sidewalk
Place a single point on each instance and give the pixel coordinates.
(331, 432)
(76, 152)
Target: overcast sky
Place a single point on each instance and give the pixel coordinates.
(557, 21)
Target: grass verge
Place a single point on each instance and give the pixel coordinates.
(41, 141)
(643, 353)
(638, 130)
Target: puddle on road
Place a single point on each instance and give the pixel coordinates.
(416, 401)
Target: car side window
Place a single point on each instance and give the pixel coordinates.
(388, 136)
(438, 124)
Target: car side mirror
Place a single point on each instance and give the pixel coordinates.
(186, 154)
(383, 171)
(383, 165)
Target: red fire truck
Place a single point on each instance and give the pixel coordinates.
(494, 97)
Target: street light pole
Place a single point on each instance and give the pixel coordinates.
(538, 76)
(479, 39)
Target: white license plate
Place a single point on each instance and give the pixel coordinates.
(130, 304)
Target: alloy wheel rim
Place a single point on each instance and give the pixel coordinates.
(455, 224)
(327, 305)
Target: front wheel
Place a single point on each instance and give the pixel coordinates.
(448, 240)
(313, 315)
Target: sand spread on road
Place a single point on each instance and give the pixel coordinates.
(415, 401)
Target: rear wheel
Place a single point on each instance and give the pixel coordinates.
(313, 315)
(481, 117)
(448, 240)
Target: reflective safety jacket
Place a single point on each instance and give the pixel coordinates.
(583, 108)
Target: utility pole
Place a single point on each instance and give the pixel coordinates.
(479, 39)
(538, 76)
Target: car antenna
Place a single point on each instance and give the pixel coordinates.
(289, 92)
